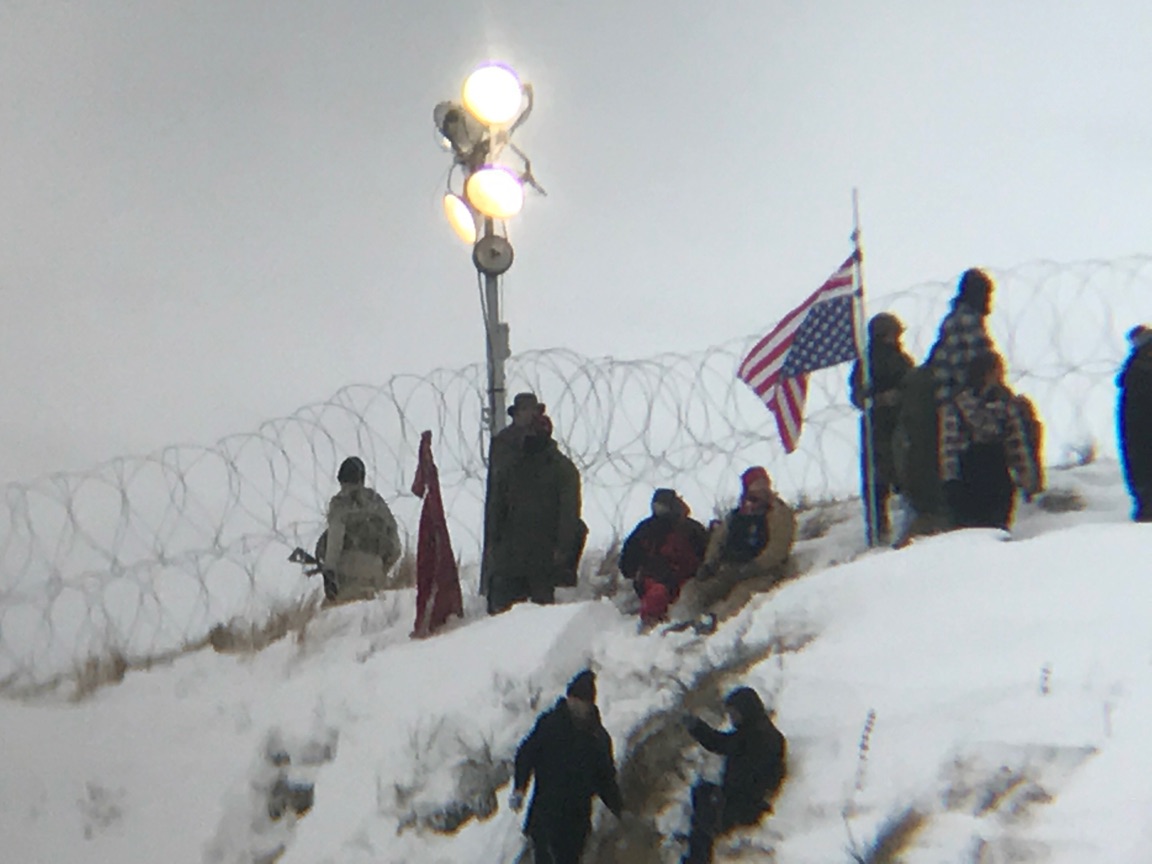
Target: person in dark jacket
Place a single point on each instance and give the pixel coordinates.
(888, 364)
(534, 525)
(505, 448)
(569, 752)
(755, 764)
(984, 449)
(1134, 421)
(662, 553)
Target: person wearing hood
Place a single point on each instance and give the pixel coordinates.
(662, 553)
(984, 449)
(879, 402)
(747, 551)
(533, 527)
(963, 336)
(361, 543)
(755, 765)
(1134, 421)
(569, 752)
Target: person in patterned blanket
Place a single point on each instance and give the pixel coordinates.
(984, 449)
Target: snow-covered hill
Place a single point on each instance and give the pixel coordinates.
(973, 699)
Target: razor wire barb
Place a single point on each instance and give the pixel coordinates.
(147, 553)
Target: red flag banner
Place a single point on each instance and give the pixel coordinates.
(818, 333)
(437, 581)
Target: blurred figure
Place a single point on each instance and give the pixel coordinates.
(662, 553)
(505, 449)
(1134, 421)
(361, 543)
(888, 364)
(984, 452)
(963, 336)
(570, 754)
(755, 764)
(535, 534)
(747, 551)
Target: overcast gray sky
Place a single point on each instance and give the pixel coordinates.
(214, 212)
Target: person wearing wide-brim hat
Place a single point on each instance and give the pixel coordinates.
(504, 449)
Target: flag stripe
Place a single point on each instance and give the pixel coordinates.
(816, 334)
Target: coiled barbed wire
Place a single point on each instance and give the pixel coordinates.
(146, 553)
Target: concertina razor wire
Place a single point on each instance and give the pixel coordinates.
(145, 554)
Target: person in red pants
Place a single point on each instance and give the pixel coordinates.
(662, 553)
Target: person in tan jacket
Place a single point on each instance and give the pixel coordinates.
(748, 552)
(362, 542)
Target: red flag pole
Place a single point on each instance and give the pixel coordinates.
(870, 503)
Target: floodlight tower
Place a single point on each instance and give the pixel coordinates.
(477, 130)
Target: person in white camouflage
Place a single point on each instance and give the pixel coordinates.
(362, 542)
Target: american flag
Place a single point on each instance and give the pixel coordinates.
(818, 333)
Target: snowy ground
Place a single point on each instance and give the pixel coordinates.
(993, 697)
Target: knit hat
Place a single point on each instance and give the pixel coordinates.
(1140, 335)
(975, 290)
(583, 686)
(665, 500)
(351, 470)
(884, 324)
(753, 477)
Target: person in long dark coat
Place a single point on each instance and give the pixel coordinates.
(505, 448)
(888, 364)
(534, 522)
(569, 752)
(755, 764)
(1134, 421)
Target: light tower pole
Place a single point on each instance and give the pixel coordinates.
(477, 130)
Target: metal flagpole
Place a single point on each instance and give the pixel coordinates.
(870, 503)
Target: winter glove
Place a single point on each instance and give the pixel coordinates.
(516, 800)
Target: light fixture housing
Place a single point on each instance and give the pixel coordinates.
(460, 217)
(494, 191)
(493, 94)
